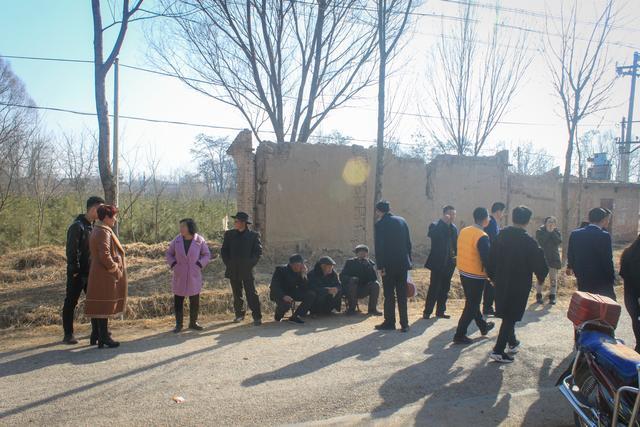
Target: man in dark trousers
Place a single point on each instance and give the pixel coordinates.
(441, 262)
(590, 255)
(359, 280)
(514, 257)
(472, 262)
(393, 260)
(78, 262)
(492, 230)
(325, 282)
(241, 250)
(288, 284)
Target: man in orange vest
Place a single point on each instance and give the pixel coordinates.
(472, 262)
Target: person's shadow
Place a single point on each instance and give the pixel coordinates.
(365, 348)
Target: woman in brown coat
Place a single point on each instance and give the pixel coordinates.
(107, 289)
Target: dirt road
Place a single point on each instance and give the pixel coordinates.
(330, 371)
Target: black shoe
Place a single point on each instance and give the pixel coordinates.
(489, 312)
(462, 340)
(385, 327)
(489, 326)
(426, 316)
(93, 339)
(374, 313)
(404, 329)
(296, 319)
(539, 299)
(443, 316)
(195, 326)
(238, 319)
(109, 343)
(177, 329)
(552, 299)
(501, 357)
(70, 339)
(257, 322)
(278, 316)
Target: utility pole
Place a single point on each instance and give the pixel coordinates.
(116, 176)
(621, 150)
(628, 70)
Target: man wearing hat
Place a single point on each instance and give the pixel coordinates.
(359, 280)
(590, 255)
(393, 259)
(241, 250)
(288, 284)
(324, 281)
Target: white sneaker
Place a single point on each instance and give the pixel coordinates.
(501, 357)
(513, 349)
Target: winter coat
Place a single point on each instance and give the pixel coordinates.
(78, 253)
(187, 267)
(317, 279)
(285, 281)
(392, 244)
(240, 253)
(590, 256)
(630, 272)
(362, 269)
(444, 244)
(550, 242)
(107, 289)
(513, 259)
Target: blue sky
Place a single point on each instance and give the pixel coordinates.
(63, 28)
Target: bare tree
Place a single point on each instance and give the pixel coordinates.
(532, 161)
(135, 184)
(391, 23)
(17, 128)
(215, 166)
(582, 77)
(158, 186)
(78, 165)
(101, 68)
(43, 179)
(471, 87)
(281, 62)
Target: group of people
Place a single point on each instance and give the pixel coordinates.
(496, 269)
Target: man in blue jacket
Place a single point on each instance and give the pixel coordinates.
(492, 230)
(393, 259)
(442, 262)
(590, 255)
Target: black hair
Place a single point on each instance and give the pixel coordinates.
(191, 225)
(480, 214)
(383, 206)
(94, 200)
(498, 206)
(447, 209)
(596, 215)
(521, 215)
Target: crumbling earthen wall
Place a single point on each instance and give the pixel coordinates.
(318, 198)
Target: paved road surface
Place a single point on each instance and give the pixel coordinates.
(330, 371)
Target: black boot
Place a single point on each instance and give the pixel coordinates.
(178, 307)
(93, 340)
(104, 336)
(194, 308)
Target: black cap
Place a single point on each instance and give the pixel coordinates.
(242, 216)
(361, 248)
(296, 259)
(326, 260)
(383, 206)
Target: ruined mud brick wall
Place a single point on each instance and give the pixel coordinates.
(318, 199)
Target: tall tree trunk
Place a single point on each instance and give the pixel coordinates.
(564, 194)
(382, 74)
(104, 136)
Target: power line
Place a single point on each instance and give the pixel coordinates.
(165, 74)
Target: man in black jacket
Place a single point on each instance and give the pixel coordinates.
(590, 255)
(441, 262)
(288, 284)
(324, 281)
(514, 258)
(393, 259)
(359, 280)
(78, 262)
(241, 250)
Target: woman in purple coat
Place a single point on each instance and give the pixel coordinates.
(187, 255)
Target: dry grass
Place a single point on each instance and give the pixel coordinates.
(32, 286)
